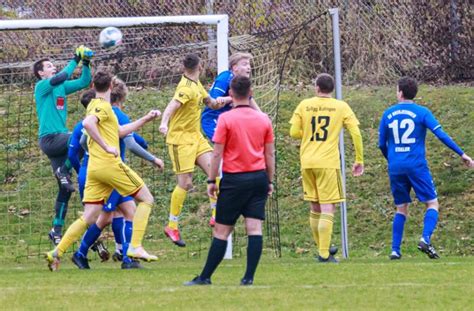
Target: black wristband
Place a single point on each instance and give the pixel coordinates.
(211, 181)
(270, 182)
(86, 62)
(77, 58)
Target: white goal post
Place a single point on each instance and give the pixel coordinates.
(222, 22)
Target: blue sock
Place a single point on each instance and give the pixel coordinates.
(91, 235)
(126, 238)
(397, 231)
(117, 228)
(429, 224)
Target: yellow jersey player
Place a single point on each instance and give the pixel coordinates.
(318, 122)
(181, 123)
(106, 172)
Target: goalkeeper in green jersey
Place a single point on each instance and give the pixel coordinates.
(51, 109)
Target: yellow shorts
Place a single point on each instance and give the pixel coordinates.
(322, 185)
(101, 182)
(184, 157)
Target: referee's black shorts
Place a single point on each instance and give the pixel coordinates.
(242, 194)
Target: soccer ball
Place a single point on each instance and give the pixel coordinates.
(110, 37)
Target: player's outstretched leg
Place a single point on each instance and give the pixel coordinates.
(73, 233)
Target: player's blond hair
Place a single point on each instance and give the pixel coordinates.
(119, 91)
(237, 57)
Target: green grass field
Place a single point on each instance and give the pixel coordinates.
(367, 281)
(281, 284)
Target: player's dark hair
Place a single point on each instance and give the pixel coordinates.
(325, 82)
(87, 96)
(408, 86)
(102, 81)
(240, 87)
(191, 61)
(38, 66)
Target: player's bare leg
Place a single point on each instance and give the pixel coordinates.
(73, 233)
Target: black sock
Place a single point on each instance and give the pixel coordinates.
(214, 258)
(61, 210)
(254, 251)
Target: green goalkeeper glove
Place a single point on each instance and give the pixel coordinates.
(83, 53)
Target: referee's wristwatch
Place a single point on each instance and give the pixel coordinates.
(209, 181)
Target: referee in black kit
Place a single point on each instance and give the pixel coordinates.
(244, 141)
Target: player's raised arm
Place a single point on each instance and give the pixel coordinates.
(126, 129)
(85, 54)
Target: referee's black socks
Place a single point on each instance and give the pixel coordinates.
(214, 258)
(254, 251)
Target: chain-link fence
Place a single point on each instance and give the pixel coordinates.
(381, 40)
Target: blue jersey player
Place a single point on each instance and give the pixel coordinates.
(402, 135)
(239, 64)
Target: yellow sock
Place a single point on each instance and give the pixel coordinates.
(140, 221)
(73, 233)
(214, 201)
(177, 200)
(213, 207)
(314, 223)
(325, 232)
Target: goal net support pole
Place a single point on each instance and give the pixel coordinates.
(334, 12)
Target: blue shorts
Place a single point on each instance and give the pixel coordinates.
(115, 199)
(421, 182)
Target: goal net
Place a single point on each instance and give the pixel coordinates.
(149, 61)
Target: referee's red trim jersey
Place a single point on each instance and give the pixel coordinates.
(244, 131)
